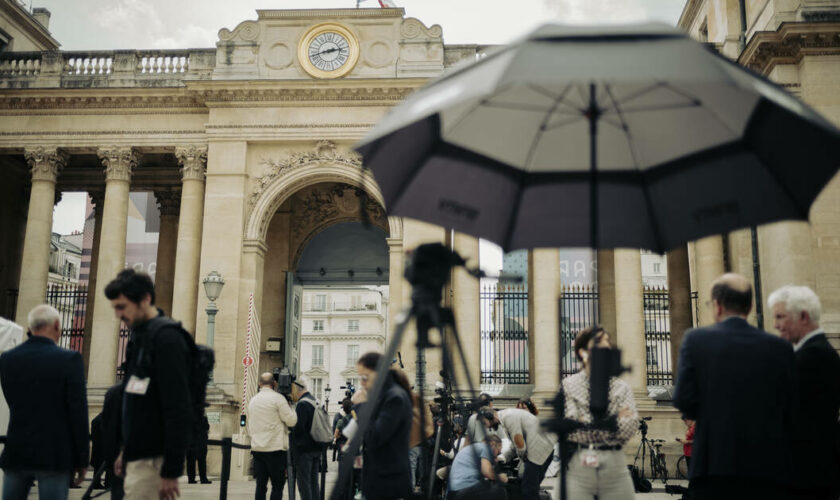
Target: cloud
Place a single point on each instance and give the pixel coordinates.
(189, 36)
(614, 11)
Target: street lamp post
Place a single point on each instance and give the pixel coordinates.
(213, 284)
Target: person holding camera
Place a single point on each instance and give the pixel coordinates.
(472, 464)
(533, 446)
(475, 434)
(385, 466)
(270, 417)
(597, 467)
(306, 451)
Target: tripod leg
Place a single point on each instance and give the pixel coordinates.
(346, 466)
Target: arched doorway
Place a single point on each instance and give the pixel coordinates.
(330, 236)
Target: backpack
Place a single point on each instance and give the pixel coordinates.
(320, 430)
(202, 360)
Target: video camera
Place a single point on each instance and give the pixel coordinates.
(284, 380)
(349, 390)
(643, 426)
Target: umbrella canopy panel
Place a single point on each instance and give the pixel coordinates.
(688, 144)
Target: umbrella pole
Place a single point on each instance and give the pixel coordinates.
(593, 113)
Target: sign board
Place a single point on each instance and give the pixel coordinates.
(214, 417)
(247, 361)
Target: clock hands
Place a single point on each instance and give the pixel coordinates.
(329, 51)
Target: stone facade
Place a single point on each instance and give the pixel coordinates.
(250, 157)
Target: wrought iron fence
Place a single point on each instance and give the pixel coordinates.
(504, 334)
(125, 332)
(71, 302)
(695, 308)
(658, 336)
(578, 310)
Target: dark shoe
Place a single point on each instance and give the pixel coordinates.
(206, 481)
(191, 481)
(98, 486)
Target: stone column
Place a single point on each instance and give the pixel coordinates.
(466, 305)
(679, 300)
(396, 268)
(629, 316)
(169, 202)
(544, 321)
(98, 200)
(709, 257)
(193, 162)
(119, 163)
(45, 163)
(606, 290)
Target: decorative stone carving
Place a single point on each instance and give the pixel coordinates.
(316, 208)
(324, 152)
(119, 162)
(414, 28)
(247, 30)
(193, 161)
(789, 44)
(168, 201)
(45, 163)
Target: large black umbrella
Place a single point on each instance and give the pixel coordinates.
(629, 136)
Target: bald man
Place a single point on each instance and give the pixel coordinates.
(737, 382)
(269, 419)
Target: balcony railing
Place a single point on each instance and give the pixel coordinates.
(108, 68)
(340, 307)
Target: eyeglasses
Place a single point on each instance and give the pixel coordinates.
(363, 378)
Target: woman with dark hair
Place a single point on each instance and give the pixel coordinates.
(597, 466)
(385, 467)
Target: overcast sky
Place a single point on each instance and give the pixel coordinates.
(165, 24)
(147, 24)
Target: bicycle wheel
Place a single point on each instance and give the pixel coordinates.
(682, 468)
(662, 469)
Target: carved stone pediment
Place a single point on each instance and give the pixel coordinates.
(316, 372)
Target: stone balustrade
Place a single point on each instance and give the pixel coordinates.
(108, 68)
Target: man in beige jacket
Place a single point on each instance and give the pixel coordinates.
(269, 419)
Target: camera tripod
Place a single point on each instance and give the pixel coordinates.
(428, 273)
(653, 447)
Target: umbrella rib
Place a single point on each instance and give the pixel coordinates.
(542, 128)
(655, 108)
(654, 225)
(464, 116)
(639, 93)
(563, 123)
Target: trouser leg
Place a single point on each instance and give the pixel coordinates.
(16, 484)
(191, 463)
(260, 475)
(277, 471)
(201, 457)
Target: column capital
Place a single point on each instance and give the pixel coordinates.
(193, 161)
(45, 163)
(119, 162)
(169, 201)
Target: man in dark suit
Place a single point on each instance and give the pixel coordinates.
(48, 426)
(796, 314)
(738, 383)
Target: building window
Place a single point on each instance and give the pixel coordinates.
(317, 325)
(356, 302)
(352, 325)
(317, 355)
(320, 303)
(317, 387)
(657, 267)
(352, 355)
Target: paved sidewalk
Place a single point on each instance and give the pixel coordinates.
(244, 490)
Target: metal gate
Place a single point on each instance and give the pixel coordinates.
(71, 302)
(578, 310)
(504, 334)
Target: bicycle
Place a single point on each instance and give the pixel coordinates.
(682, 467)
(652, 450)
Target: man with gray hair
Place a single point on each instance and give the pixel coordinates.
(48, 427)
(796, 314)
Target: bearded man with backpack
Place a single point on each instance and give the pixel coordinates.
(163, 390)
(307, 443)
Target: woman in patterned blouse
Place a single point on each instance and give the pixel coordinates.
(597, 467)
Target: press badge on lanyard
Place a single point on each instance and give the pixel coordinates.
(137, 385)
(589, 458)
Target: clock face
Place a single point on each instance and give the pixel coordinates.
(329, 51)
